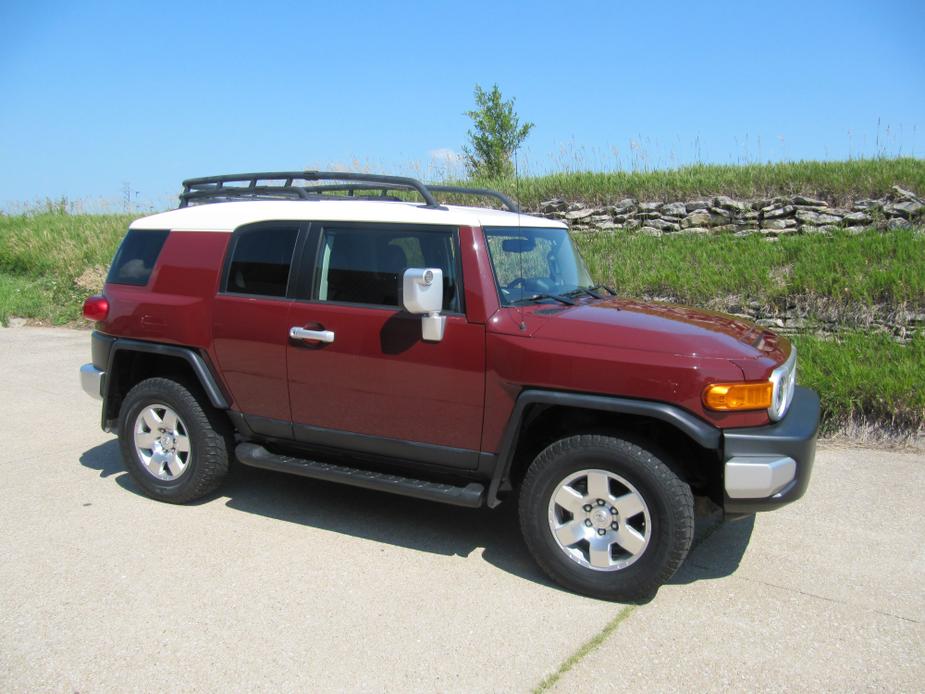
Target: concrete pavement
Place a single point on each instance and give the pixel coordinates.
(278, 582)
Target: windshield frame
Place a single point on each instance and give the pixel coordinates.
(548, 291)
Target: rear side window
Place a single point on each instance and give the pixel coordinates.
(136, 256)
(261, 259)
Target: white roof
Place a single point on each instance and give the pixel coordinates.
(227, 216)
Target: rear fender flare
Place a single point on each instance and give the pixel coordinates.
(197, 363)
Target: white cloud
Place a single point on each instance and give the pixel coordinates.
(445, 155)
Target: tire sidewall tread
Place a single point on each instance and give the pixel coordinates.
(669, 499)
(209, 436)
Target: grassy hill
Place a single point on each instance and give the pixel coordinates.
(835, 181)
(50, 261)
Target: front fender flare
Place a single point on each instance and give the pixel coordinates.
(704, 434)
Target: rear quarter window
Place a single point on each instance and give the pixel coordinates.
(136, 257)
(261, 257)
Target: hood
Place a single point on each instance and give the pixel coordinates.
(658, 327)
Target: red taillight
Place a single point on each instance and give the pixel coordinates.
(96, 308)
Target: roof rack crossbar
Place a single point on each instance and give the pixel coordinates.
(200, 189)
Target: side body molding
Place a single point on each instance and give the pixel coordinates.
(704, 434)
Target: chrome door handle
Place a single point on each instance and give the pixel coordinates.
(297, 333)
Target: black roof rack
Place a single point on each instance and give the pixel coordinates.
(281, 185)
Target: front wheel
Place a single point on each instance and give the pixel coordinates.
(605, 517)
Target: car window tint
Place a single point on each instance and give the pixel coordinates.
(365, 266)
(136, 256)
(261, 260)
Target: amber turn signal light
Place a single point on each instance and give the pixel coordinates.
(727, 397)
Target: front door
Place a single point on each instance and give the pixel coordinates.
(377, 387)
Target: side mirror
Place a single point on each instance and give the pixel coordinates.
(422, 294)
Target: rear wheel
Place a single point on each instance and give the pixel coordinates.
(605, 517)
(174, 444)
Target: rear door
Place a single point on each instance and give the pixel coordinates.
(377, 387)
(250, 329)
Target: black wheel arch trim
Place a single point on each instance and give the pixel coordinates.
(704, 434)
(196, 361)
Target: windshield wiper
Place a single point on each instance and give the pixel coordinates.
(584, 290)
(539, 297)
(604, 286)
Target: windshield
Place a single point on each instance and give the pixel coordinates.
(534, 263)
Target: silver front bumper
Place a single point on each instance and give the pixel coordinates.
(91, 380)
(758, 477)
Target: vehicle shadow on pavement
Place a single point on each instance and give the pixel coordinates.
(411, 523)
(105, 458)
(718, 549)
(380, 517)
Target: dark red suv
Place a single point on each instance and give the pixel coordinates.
(329, 325)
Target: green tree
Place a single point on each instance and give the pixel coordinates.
(495, 136)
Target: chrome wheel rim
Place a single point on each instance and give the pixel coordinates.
(162, 442)
(599, 520)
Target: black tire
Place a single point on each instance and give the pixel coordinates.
(208, 433)
(669, 510)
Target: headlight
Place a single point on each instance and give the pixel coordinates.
(773, 395)
(784, 379)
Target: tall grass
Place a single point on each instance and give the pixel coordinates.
(44, 255)
(867, 268)
(836, 181)
(866, 380)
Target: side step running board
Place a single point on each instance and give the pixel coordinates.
(254, 455)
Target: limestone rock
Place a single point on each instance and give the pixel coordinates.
(906, 208)
(776, 212)
(554, 205)
(777, 224)
(810, 202)
(728, 203)
(897, 223)
(902, 194)
(575, 215)
(662, 225)
(622, 207)
(675, 209)
(698, 218)
(817, 218)
(856, 218)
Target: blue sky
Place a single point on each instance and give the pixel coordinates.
(97, 94)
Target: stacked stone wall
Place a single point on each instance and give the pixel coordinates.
(771, 217)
